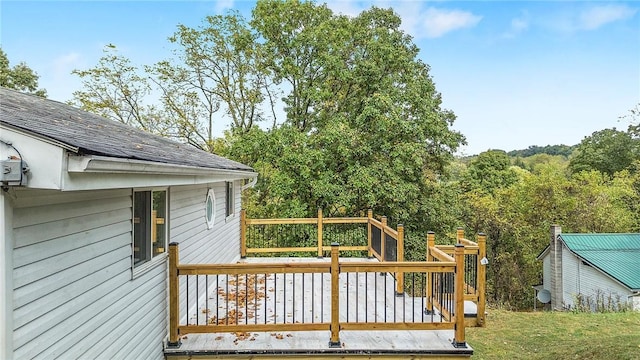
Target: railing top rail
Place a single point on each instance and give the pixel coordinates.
(253, 268)
(282, 221)
(440, 255)
(314, 267)
(389, 231)
(399, 267)
(345, 220)
(449, 249)
(467, 242)
(375, 222)
(328, 220)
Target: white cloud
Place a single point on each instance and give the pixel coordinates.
(517, 26)
(598, 16)
(222, 5)
(438, 22)
(417, 21)
(345, 7)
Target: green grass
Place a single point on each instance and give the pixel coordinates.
(556, 335)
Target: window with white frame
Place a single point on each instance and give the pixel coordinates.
(230, 203)
(210, 208)
(149, 225)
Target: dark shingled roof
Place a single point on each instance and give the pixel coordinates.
(95, 135)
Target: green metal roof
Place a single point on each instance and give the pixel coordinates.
(617, 255)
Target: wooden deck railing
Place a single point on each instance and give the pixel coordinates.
(315, 235)
(335, 295)
(474, 270)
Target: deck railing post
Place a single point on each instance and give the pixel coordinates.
(431, 236)
(459, 341)
(459, 235)
(174, 315)
(383, 239)
(243, 233)
(369, 217)
(400, 257)
(319, 232)
(334, 342)
(482, 278)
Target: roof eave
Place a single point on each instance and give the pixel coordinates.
(104, 164)
(544, 252)
(40, 137)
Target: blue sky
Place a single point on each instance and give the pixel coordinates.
(516, 73)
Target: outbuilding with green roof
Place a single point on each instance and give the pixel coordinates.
(594, 270)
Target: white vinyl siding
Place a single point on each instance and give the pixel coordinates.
(72, 290)
(546, 272)
(580, 278)
(197, 243)
(73, 295)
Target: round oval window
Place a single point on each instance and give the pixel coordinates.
(210, 208)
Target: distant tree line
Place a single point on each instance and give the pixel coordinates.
(563, 150)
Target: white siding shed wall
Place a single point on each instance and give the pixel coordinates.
(594, 282)
(73, 295)
(546, 272)
(570, 279)
(580, 278)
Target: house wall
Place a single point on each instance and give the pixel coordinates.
(580, 278)
(199, 245)
(73, 291)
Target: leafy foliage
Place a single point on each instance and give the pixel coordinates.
(607, 151)
(114, 89)
(19, 77)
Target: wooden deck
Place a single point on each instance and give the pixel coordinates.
(364, 297)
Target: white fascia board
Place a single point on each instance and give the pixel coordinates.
(104, 164)
(44, 156)
(101, 172)
(44, 139)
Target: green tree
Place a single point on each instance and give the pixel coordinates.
(607, 151)
(19, 77)
(296, 40)
(217, 70)
(117, 89)
(489, 171)
(368, 132)
(634, 119)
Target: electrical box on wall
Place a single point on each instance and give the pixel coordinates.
(13, 172)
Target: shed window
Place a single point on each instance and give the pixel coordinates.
(230, 204)
(149, 225)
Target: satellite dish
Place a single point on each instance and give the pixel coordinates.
(544, 296)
